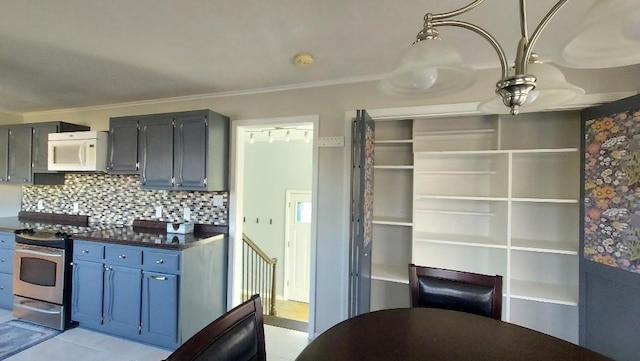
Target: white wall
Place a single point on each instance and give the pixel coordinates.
(331, 103)
(270, 169)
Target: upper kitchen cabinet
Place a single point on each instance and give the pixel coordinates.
(175, 151)
(157, 152)
(123, 145)
(23, 152)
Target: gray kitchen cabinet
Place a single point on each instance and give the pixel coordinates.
(122, 300)
(178, 151)
(7, 243)
(20, 148)
(87, 286)
(156, 152)
(159, 308)
(145, 293)
(4, 153)
(23, 152)
(123, 146)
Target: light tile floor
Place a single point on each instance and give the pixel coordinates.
(86, 345)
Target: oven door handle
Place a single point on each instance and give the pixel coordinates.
(36, 309)
(38, 253)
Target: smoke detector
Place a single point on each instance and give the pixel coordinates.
(303, 60)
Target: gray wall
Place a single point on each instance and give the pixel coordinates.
(270, 170)
(331, 103)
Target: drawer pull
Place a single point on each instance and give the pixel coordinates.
(85, 251)
(160, 261)
(122, 256)
(158, 278)
(1, 260)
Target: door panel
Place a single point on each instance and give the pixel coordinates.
(20, 155)
(160, 308)
(190, 162)
(609, 240)
(40, 146)
(4, 153)
(122, 300)
(299, 247)
(156, 152)
(86, 293)
(361, 214)
(123, 146)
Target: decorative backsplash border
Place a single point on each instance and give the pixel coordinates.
(118, 199)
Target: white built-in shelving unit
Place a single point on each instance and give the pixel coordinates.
(487, 194)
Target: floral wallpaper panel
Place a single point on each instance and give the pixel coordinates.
(612, 190)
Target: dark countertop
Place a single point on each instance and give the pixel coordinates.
(149, 237)
(126, 235)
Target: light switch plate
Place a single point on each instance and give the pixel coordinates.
(331, 142)
(217, 200)
(159, 212)
(40, 204)
(76, 207)
(187, 214)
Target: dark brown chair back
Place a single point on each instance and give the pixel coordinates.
(456, 290)
(237, 335)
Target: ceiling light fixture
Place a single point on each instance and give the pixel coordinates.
(431, 67)
(609, 36)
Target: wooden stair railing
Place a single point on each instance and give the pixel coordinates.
(258, 275)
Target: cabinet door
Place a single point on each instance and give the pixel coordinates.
(122, 298)
(86, 293)
(156, 152)
(40, 147)
(4, 153)
(6, 291)
(123, 146)
(190, 152)
(160, 309)
(19, 169)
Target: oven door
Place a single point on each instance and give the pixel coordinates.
(38, 272)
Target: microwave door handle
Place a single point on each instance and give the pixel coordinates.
(82, 155)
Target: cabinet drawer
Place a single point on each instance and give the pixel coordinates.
(88, 250)
(7, 240)
(6, 260)
(6, 291)
(161, 261)
(123, 255)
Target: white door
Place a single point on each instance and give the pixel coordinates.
(298, 233)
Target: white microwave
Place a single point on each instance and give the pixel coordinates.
(78, 151)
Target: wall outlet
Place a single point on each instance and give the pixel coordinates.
(76, 207)
(40, 204)
(217, 200)
(187, 214)
(159, 212)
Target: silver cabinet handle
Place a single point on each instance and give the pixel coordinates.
(85, 251)
(160, 261)
(122, 256)
(158, 278)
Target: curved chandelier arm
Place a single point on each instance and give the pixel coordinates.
(522, 63)
(480, 31)
(453, 13)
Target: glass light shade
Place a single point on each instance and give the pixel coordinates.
(551, 90)
(430, 67)
(609, 36)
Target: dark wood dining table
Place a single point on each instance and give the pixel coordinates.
(436, 334)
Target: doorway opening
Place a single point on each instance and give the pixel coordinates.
(271, 204)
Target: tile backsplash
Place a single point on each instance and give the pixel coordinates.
(118, 199)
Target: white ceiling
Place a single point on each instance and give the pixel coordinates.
(57, 54)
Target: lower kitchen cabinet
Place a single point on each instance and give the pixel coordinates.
(6, 270)
(135, 292)
(122, 300)
(159, 308)
(86, 299)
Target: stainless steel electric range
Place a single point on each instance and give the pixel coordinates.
(42, 270)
